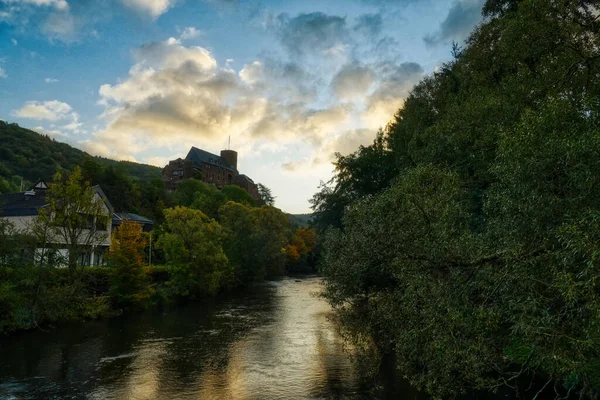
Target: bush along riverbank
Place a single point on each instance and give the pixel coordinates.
(34, 297)
(207, 243)
(466, 238)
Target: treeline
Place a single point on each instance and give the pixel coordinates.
(466, 239)
(208, 241)
(29, 156)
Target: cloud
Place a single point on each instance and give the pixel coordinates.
(14, 41)
(462, 17)
(178, 95)
(50, 80)
(189, 33)
(312, 32)
(58, 4)
(287, 81)
(61, 25)
(52, 110)
(153, 8)
(172, 54)
(3, 73)
(369, 25)
(395, 83)
(75, 20)
(352, 81)
(346, 142)
(53, 133)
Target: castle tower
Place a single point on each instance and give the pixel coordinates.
(231, 157)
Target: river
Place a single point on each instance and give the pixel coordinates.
(273, 342)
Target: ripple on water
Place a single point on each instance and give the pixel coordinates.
(273, 343)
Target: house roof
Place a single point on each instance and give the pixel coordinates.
(118, 217)
(28, 203)
(21, 204)
(246, 178)
(198, 156)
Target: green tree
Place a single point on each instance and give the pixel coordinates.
(185, 194)
(265, 194)
(238, 195)
(465, 238)
(193, 246)
(240, 231)
(270, 238)
(76, 216)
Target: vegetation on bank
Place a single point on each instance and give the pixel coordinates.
(465, 239)
(209, 241)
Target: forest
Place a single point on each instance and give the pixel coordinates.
(465, 240)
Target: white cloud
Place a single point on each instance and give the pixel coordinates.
(189, 33)
(58, 4)
(172, 54)
(14, 41)
(3, 73)
(50, 80)
(52, 110)
(53, 133)
(154, 8)
(178, 95)
(60, 25)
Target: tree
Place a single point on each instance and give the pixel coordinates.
(465, 240)
(240, 230)
(185, 194)
(265, 195)
(76, 216)
(129, 286)
(270, 238)
(238, 195)
(193, 246)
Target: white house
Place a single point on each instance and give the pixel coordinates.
(21, 209)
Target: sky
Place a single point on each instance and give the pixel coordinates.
(289, 82)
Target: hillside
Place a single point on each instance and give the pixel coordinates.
(300, 220)
(32, 156)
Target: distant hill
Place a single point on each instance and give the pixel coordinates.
(32, 156)
(300, 219)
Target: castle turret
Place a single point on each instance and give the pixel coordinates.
(231, 157)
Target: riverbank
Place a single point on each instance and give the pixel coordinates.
(33, 299)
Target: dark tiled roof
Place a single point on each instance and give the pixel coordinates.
(198, 156)
(118, 217)
(245, 177)
(19, 204)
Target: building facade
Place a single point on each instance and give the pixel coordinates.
(22, 209)
(219, 170)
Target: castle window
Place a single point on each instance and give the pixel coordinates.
(177, 172)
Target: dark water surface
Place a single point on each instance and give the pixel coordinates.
(275, 342)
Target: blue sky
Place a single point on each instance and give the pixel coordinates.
(291, 82)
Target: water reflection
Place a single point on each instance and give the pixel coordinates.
(276, 342)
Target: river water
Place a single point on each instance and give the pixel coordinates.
(274, 342)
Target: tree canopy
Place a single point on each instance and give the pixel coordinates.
(465, 238)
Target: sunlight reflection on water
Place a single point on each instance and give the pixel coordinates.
(276, 342)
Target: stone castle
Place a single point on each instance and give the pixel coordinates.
(218, 170)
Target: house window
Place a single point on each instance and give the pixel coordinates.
(100, 224)
(177, 172)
